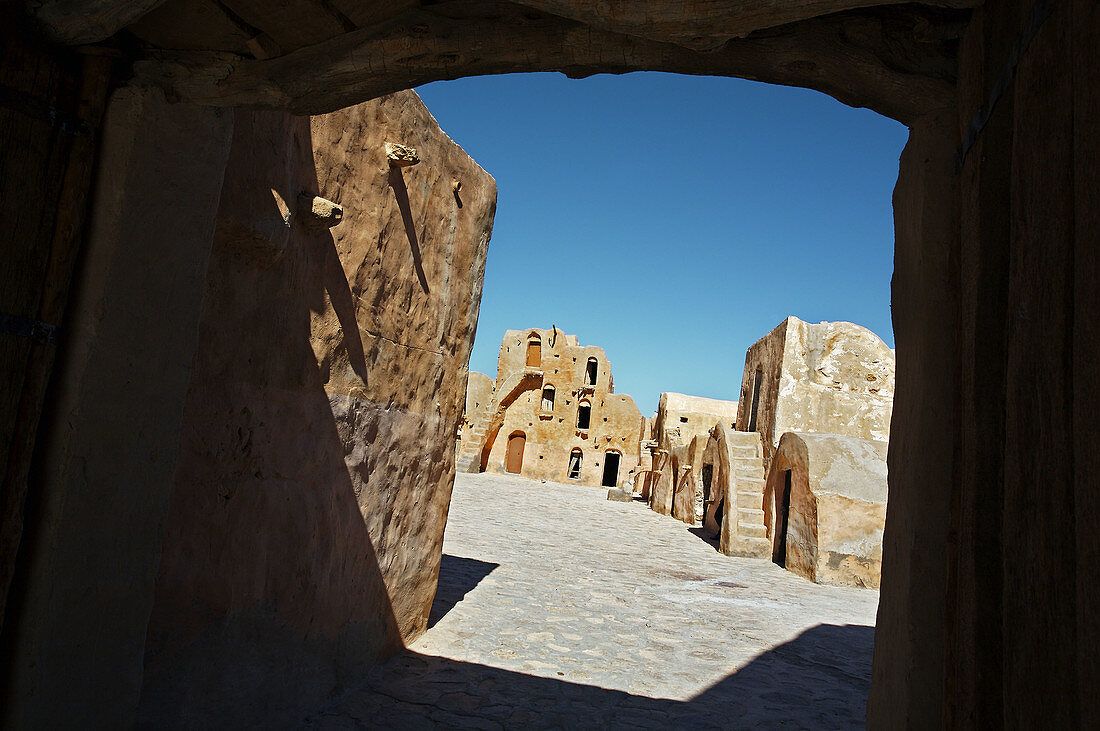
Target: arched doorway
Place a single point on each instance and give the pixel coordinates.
(534, 351)
(513, 458)
(611, 469)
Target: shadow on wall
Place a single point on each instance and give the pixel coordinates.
(457, 577)
(269, 595)
(820, 679)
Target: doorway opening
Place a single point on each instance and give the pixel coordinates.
(779, 550)
(574, 472)
(611, 469)
(757, 378)
(513, 460)
(590, 372)
(584, 414)
(534, 351)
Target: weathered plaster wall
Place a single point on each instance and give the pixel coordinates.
(687, 500)
(475, 414)
(766, 356)
(837, 507)
(552, 434)
(829, 377)
(307, 512)
(692, 415)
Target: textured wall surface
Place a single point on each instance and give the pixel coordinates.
(110, 440)
(829, 377)
(306, 521)
(837, 507)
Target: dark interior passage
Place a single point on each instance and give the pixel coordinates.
(611, 469)
(779, 552)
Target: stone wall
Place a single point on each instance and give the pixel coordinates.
(251, 447)
(829, 377)
(306, 522)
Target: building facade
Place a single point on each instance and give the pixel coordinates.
(554, 415)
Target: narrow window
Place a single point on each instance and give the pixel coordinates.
(683, 420)
(756, 381)
(547, 398)
(534, 351)
(575, 465)
(584, 414)
(591, 371)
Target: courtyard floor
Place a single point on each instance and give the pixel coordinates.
(560, 609)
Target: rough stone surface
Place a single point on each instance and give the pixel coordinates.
(837, 507)
(543, 621)
(895, 58)
(830, 377)
(317, 452)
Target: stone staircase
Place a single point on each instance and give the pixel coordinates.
(486, 426)
(747, 465)
(469, 457)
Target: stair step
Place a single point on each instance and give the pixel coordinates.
(750, 500)
(750, 530)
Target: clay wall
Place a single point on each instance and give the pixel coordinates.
(829, 377)
(336, 454)
(991, 616)
(254, 415)
(837, 509)
(692, 415)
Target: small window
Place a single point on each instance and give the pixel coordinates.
(584, 414)
(547, 398)
(591, 371)
(683, 420)
(574, 465)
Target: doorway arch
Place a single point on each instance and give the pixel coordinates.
(611, 461)
(513, 457)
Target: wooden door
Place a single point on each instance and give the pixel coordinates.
(513, 460)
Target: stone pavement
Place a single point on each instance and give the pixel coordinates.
(560, 609)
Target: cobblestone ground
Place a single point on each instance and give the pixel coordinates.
(560, 609)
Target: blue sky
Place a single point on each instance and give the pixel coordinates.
(675, 220)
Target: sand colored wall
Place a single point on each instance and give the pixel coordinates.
(687, 499)
(829, 377)
(316, 463)
(837, 507)
(691, 415)
(478, 405)
(551, 435)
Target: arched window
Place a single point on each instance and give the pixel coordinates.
(548, 398)
(534, 351)
(574, 472)
(584, 414)
(590, 372)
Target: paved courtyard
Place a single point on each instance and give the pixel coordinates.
(560, 609)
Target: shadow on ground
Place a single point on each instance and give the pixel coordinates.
(457, 578)
(818, 680)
